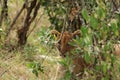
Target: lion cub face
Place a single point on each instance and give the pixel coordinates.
(63, 41)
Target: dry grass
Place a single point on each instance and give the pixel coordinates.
(13, 64)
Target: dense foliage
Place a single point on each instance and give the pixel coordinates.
(100, 30)
(97, 20)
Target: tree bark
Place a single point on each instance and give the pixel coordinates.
(22, 33)
(4, 12)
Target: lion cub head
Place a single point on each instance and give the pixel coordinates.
(63, 41)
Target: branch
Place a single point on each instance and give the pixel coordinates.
(17, 16)
(36, 22)
(35, 11)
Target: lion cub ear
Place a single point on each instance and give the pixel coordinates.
(55, 32)
(77, 32)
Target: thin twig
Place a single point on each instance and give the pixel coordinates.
(35, 24)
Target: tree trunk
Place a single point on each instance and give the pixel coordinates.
(22, 33)
(4, 12)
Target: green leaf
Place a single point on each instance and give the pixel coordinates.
(105, 78)
(88, 40)
(113, 58)
(31, 64)
(93, 22)
(103, 31)
(35, 72)
(84, 30)
(36, 67)
(67, 75)
(85, 14)
(104, 68)
(87, 57)
(115, 29)
(97, 67)
(66, 61)
(101, 12)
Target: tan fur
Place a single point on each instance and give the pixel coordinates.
(64, 47)
(66, 37)
(117, 50)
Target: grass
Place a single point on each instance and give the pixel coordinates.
(13, 64)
